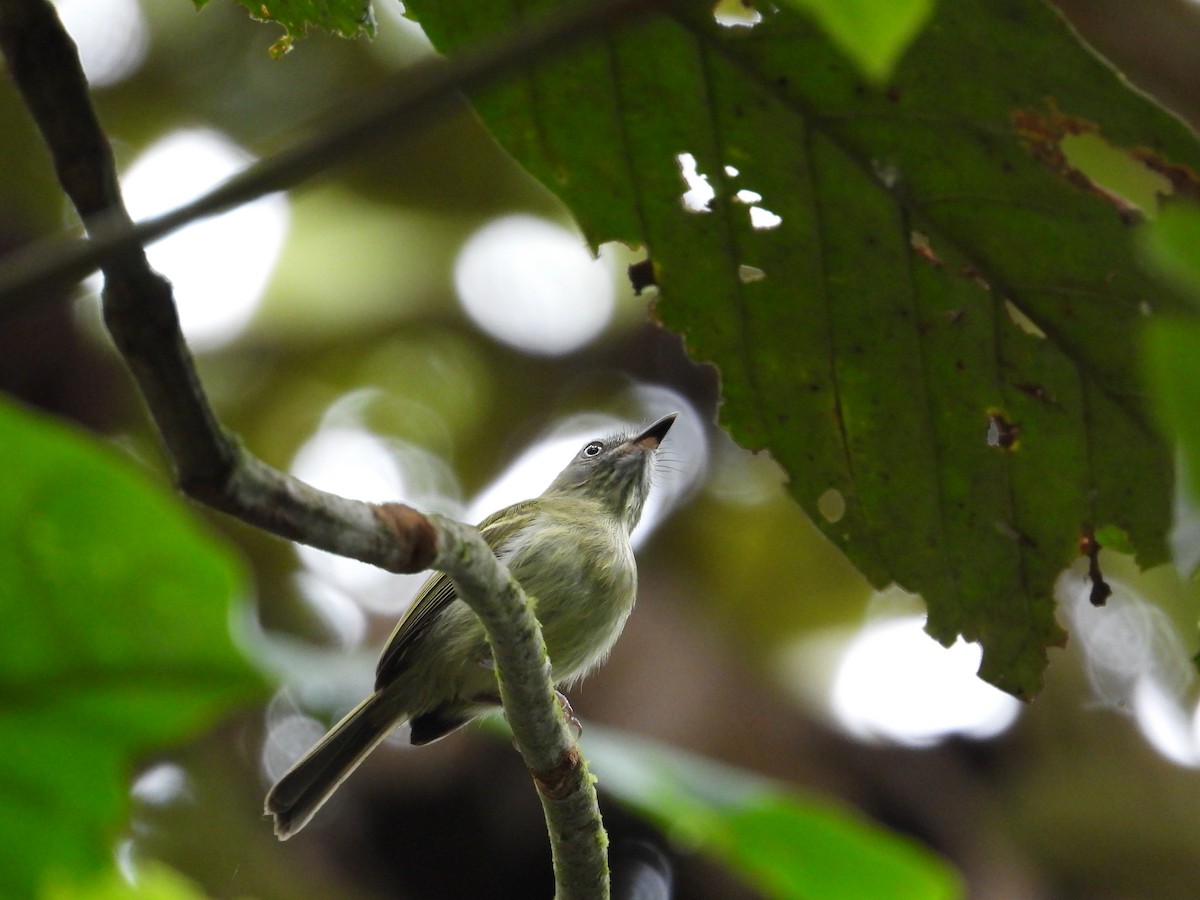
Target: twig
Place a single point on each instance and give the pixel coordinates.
(565, 786)
(211, 465)
(416, 97)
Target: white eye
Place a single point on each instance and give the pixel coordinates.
(593, 449)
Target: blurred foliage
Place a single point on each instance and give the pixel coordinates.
(116, 643)
(873, 35)
(997, 280)
(1073, 802)
(786, 845)
(154, 882)
(1171, 353)
(1170, 246)
(1172, 347)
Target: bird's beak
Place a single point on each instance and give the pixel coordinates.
(652, 436)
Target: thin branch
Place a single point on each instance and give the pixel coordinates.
(139, 311)
(211, 465)
(565, 786)
(419, 95)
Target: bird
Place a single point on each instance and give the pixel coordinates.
(569, 549)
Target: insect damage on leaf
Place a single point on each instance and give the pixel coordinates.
(1017, 316)
(1002, 433)
(750, 274)
(921, 246)
(1073, 148)
(699, 195)
(736, 14)
(1182, 179)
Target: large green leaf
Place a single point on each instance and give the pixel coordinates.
(940, 271)
(115, 642)
(787, 845)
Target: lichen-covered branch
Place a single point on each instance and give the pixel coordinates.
(565, 786)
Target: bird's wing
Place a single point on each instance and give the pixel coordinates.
(439, 592)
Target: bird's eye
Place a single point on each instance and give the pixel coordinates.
(593, 449)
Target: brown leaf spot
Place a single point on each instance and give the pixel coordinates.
(1045, 135)
(921, 246)
(1182, 179)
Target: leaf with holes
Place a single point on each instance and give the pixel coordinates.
(914, 297)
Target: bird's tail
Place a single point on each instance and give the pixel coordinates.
(297, 796)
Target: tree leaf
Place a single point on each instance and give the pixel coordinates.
(1172, 245)
(346, 18)
(1171, 351)
(914, 299)
(872, 34)
(116, 642)
(786, 845)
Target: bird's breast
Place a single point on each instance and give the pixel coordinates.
(582, 581)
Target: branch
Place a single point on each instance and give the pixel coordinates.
(416, 97)
(565, 786)
(210, 464)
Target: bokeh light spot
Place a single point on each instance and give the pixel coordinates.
(353, 462)
(896, 683)
(534, 285)
(160, 785)
(112, 37)
(288, 737)
(1135, 662)
(218, 267)
(762, 219)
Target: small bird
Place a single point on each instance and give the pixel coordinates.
(570, 551)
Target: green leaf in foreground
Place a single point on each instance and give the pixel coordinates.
(1172, 353)
(115, 642)
(1172, 246)
(345, 18)
(154, 882)
(785, 845)
(874, 35)
(1172, 347)
(914, 299)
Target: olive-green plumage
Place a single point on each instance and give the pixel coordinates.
(569, 549)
